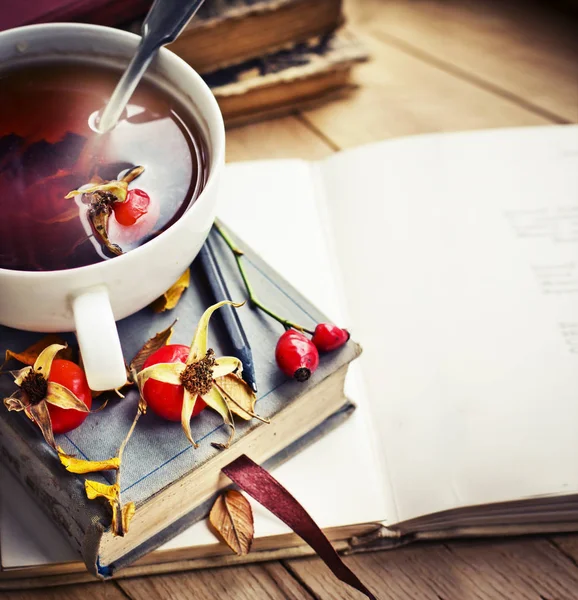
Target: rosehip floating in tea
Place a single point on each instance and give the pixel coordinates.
(49, 148)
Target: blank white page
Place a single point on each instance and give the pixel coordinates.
(460, 257)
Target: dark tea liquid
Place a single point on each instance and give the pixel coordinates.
(48, 147)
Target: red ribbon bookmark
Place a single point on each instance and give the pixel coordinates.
(264, 488)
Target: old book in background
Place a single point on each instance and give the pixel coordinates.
(172, 483)
(464, 296)
(302, 76)
(15, 13)
(227, 32)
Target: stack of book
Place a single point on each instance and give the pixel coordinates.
(262, 58)
(266, 58)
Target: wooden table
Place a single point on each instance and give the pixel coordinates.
(440, 65)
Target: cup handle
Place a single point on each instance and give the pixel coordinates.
(98, 339)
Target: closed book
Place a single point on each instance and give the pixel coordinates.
(172, 483)
(228, 32)
(301, 76)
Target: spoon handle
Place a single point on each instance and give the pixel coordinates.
(164, 22)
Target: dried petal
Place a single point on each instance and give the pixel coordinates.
(20, 376)
(239, 396)
(14, 402)
(189, 401)
(43, 363)
(111, 493)
(128, 511)
(226, 365)
(150, 347)
(232, 517)
(95, 489)
(99, 222)
(117, 188)
(40, 415)
(29, 356)
(132, 174)
(215, 401)
(77, 465)
(199, 345)
(171, 297)
(61, 396)
(165, 372)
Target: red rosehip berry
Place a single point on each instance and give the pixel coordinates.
(133, 208)
(327, 337)
(296, 355)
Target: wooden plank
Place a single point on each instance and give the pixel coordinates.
(288, 137)
(568, 544)
(528, 49)
(94, 591)
(530, 569)
(238, 583)
(400, 95)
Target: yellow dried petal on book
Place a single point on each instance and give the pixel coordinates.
(95, 489)
(80, 466)
(171, 297)
(232, 518)
(29, 356)
(127, 514)
(120, 516)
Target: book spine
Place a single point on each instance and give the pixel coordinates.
(60, 494)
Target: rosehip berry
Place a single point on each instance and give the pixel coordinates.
(133, 208)
(327, 337)
(296, 355)
(166, 399)
(71, 376)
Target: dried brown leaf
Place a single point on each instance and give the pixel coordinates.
(29, 356)
(150, 347)
(40, 415)
(239, 396)
(171, 297)
(232, 518)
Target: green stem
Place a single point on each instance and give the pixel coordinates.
(253, 299)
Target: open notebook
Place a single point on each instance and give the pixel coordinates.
(454, 260)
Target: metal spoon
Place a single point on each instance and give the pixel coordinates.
(162, 25)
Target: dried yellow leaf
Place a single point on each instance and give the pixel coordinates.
(232, 518)
(95, 489)
(128, 511)
(171, 297)
(77, 465)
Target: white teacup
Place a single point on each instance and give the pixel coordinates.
(90, 299)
